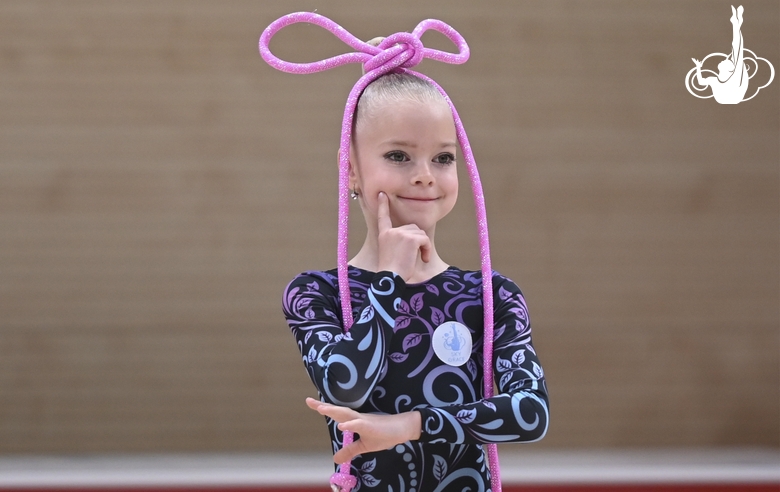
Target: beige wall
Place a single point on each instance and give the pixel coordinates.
(159, 185)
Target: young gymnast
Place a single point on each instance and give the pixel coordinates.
(407, 377)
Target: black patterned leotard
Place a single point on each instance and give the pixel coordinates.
(386, 364)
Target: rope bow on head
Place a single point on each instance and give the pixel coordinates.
(398, 52)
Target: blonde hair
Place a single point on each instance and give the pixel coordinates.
(394, 87)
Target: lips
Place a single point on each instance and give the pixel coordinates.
(418, 199)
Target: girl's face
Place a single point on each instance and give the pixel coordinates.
(406, 149)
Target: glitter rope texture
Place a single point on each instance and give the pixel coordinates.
(396, 53)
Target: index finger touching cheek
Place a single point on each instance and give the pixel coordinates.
(383, 213)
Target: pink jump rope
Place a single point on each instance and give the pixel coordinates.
(398, 52)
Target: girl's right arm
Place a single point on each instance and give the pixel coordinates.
(344, 367)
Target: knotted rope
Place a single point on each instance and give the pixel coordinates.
(398, 52)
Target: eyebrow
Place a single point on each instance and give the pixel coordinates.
(404, 143)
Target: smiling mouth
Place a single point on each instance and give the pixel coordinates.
(418, 199)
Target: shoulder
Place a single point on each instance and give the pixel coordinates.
(307, 289)
(326, 282)
(310, 284)
(313, 279)
(503, 287)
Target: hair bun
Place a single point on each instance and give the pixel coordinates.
(373, 42)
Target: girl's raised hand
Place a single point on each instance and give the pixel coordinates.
(377, 432)
(399, 247)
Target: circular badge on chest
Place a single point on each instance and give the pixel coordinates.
(452, 343)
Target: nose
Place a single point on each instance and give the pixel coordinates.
(422, 174)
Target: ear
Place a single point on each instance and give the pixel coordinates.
(353, 171)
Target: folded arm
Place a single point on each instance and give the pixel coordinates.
(344, 367)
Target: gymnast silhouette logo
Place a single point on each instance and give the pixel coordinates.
(453, 341)
(735, 70)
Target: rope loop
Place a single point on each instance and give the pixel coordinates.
(399, 50)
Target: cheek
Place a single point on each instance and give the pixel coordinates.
(369, 189)
(454, 195)
(451, 182)
(378, 179)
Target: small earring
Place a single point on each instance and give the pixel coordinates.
(354, 194)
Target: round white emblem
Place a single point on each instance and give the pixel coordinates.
(452, 343)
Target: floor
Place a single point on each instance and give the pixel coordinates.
(744, 470)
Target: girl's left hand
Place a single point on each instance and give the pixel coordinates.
(377, 432)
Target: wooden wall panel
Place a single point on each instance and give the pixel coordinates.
(159, 185)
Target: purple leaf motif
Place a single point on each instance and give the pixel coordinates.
(416, 302)
(367, 314)
(503, 364)
(301, 304)
(538, 370)
(489, 404)
(402, 322)
(368, 466)
(505, 379)
(437, 316)
(439, 467)
(312, 286)
(432, 289)
(518, 357)
(398, 357)
(312, 354)
(472, 367)
(369, 480)
(309, 314)
(411, 340)
(403, 307)
(324, 336)
(520, 312)
(466, 416)
(504, 294)
(306, 338)
(530, 348)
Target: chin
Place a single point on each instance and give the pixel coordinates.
(425, 225)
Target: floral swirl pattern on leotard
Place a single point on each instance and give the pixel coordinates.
(386, 364)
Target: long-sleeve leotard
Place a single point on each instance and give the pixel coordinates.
(386, 364)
